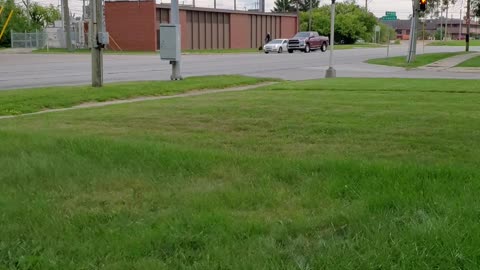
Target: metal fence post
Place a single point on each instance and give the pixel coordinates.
(36, 39)
(11, 38)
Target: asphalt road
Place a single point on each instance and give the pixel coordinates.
(34, 70)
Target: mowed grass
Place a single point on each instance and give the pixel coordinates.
(420, 60)
(454, 43)
(305, 177)
(357, 46)
(21, 101)
(472, 62)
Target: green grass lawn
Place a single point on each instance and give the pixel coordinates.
(358, 46)
(329, 174)
(454, 43)
(472, 62)
(33, 100)
(421, 60)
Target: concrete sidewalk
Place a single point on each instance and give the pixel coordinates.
(16, 51)
(449, 62)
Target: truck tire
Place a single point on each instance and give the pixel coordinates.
(290, 51)
(323, 48)
(307, 48)
(280, 50)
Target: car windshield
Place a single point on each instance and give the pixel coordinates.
(302, 35)
(276, 41)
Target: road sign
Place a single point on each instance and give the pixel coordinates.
(377, 28)
(390, 16)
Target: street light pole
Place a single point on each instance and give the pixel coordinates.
(331, 72)
(412, 50)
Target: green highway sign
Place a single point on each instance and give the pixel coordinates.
(390, 16)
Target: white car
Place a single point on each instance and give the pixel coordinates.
(276, 45)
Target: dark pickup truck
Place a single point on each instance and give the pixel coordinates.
(307, 42)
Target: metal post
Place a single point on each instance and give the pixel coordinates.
(441, 23)
(413, 35)
(96, 26)
(388, 45)
(234, 4)
(423, 35)
(446, 24)
(331, 72)
(214, 3)
(467, 37)
(36, 39)
(175, 19)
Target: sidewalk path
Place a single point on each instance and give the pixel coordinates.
(139, 99)
(449, 62)
(16, 51)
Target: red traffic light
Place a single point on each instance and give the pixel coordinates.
(423, 5)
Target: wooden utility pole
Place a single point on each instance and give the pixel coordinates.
(66, 21)
(467, 37)
(366, 5)
(310, 15)
(96, 26)
(298, 15)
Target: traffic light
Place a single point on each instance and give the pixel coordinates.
(423, 5)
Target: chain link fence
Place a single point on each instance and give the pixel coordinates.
(51, 38)
(29, 40)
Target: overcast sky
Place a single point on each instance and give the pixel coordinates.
(378, 7)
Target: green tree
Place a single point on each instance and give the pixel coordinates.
(304, 5)
(35, 18)
(19, 21)
(436, 7)
(41, 16)
(284, 6)
(476, 7)
(352, 22)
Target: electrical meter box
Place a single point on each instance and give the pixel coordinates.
(170, 47)
(103, 38)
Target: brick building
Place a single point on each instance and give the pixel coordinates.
(431, 27)
(135, 26)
